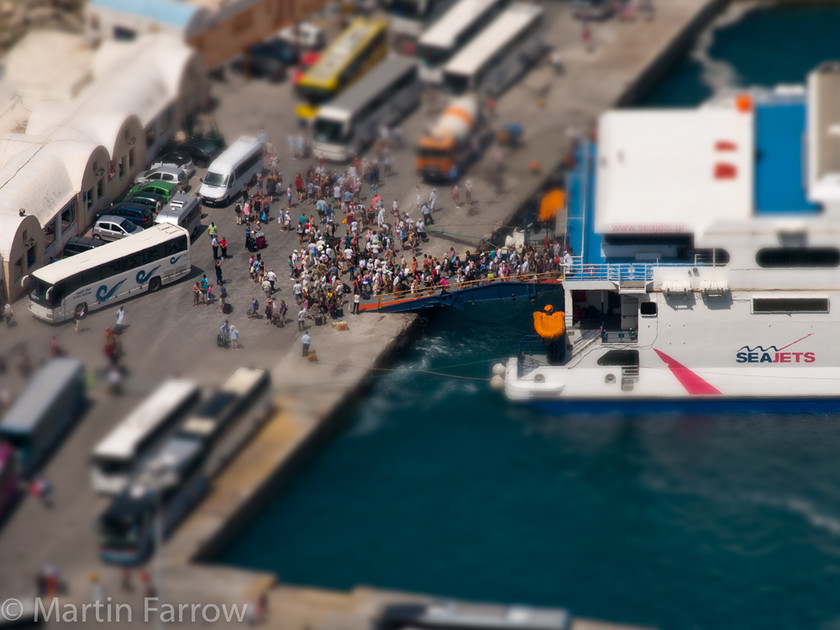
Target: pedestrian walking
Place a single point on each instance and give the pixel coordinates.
(209, 294)
(306, 340)
(357, 299)
(8, 314)
(432, 199)
(196, 293)
(42, 489)
(78, 316)
(204, 285)
(586, 35)
(456, 195)
(97, 588)
(302, 315)
(223, 245)
(266, 287)
(218, 268)
(214, 242)
(272, 278)
(120, 320)
(234, 337)
(468, 191)
(126, 580)
(427, 214)
(225, 332)
(269, 312)
(211, 230)
(223, 294)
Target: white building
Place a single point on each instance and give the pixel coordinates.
(78, 125)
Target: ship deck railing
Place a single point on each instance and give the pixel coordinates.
(621, 272)
(531, 355)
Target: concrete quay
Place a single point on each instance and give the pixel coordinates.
(167, 336)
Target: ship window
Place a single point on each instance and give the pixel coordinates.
(648, 308)
(798, 257)
(620, 358)
(790, 305)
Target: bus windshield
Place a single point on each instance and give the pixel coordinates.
(433, 55)
(113, 465)
(117, 532)
(410, 8)
(215, 179)
(456, 83)
(433, 153)
(314, 95)
(329, 131)
(39, 291)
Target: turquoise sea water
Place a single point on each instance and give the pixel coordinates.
(439, 485)
(766, 47)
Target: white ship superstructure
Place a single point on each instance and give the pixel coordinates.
(706, 258)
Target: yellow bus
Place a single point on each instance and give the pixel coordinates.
(357, 49)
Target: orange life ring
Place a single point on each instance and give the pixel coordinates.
(590, 269)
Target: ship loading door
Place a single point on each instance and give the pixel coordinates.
(629, 313)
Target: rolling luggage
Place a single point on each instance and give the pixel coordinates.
(319, 319)
(220, 340)
(227, 309)
(260, 241)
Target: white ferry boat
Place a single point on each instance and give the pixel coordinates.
(705, 261)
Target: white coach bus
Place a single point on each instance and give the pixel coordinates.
(510, 45)
(114, 272)
(119, 455)
(381, 98)
(446, 36)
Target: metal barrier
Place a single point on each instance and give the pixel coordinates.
(399, 296)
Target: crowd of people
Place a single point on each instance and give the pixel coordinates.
(353, 245)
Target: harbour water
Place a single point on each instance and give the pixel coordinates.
(438, 485)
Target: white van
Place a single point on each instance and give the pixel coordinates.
(183, 210)
(236, 166)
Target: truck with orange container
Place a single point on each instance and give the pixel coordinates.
(451, 142)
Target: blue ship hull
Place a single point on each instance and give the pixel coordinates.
(690, 406)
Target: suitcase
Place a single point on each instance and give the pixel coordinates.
(319, 320)
(220, 340)
(261, 242)
(227, 309)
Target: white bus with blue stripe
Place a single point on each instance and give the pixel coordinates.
(114, 272)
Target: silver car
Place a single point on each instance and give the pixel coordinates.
(111, 228)
(165, 173)
(178, 159)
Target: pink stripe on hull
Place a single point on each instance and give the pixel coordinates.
(693, 384)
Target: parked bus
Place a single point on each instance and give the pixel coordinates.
(451, 32)
(114, 272)
(246, 388)
(44, 412)
(9, 479)
(352, 122)
(237, 165)
(173, 479)
(122, 451)
(357, 49)
(505, 49)
(176, 476)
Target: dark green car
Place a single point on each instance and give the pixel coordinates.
(149, 199)
(164, 189)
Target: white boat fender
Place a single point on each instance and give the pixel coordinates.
(497, 382)
(499, 368)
